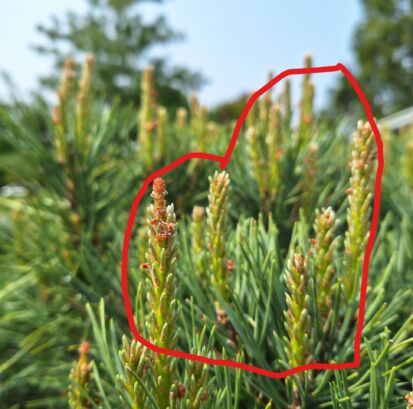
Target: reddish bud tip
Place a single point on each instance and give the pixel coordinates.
(84, 348)
(159, 185)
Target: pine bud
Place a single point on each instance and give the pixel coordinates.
(196, 393)
(323, 251)
(83, 96)
(309, 179)
(162, 282)
(198, 124)
(257, 159)
(264, 105)
(217, 228)
(181, 118)
(80, 393)
(146, 116)
(297, 319)
(307, 101)
(286, 101)
(198, 239)
(162, 118)
(66, 85)
(359, 205)
(61, 111)
(199, 128)
(273, 142)
(135, 359)
(194, 105)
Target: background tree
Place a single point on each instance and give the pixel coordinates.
(383, 47)
(230, 110)
(121, 39)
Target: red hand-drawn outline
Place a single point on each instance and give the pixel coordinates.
(223, 161)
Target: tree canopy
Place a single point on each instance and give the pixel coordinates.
(383, 48)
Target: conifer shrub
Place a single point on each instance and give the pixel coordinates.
(260, 263)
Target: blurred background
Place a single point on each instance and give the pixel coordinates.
(223, 51)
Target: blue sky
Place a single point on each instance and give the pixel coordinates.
(234, 43)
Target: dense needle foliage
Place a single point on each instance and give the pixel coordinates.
(260, 263)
